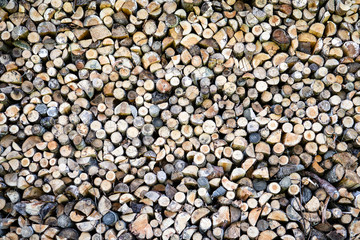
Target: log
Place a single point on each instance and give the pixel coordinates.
(330, 189)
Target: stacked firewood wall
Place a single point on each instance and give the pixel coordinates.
(179, 119)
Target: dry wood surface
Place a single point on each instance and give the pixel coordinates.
(179, 119)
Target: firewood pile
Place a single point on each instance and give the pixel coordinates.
(179, 119)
